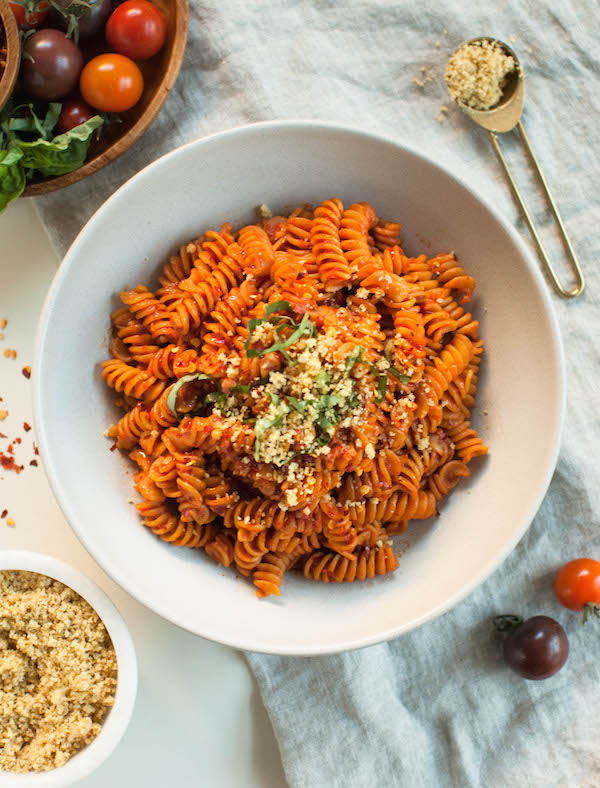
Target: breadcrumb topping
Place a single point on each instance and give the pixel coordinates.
(57, 672)
(476, 74)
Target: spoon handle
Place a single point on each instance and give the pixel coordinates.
(578, 289)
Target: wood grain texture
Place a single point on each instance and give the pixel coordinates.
(159, 74)
(8, 76)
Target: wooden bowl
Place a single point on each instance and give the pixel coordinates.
(12, 58)
(159, 73)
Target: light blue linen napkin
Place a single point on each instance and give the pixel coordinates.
(435, 707)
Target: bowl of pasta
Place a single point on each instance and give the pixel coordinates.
(301, 415)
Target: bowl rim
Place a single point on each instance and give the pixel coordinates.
(122, 144)
(117, 720)
(8, 78)
(554, 342)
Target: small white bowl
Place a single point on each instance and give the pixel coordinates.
(520, 400)
(117, 719)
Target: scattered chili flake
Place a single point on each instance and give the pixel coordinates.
(34, 463)
(113, 447)
(4, 513)
(13, 353)
(27, 371)
(3, 322)
(9, 464)
(3, 415)
(2, 435)
(35, 449)
(10, 522)
(10, 449)
(26, 426)
(6, 353)
(18, 440)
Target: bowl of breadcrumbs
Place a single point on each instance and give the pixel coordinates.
(68, 672)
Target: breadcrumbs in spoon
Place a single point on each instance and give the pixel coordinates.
(476, 74)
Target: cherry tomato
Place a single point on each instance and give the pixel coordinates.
(30, 14)
(136, 29)
(52, 65)
(90, 22)
(537, 648)
(577, 586)
(19, 14)
(111, 83)
(73, 113)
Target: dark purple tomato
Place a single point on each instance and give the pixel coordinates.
(537, 648)
(91, 21)
(73, 113)
(51, 65)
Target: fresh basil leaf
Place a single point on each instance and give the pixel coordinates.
(51, 118)
(305, 326)
(293, 337)
(63, 154)
(381, 388)
(12, 176)
(403, 378)
(215, 397)
(172, 396)
(324, 423)
(297, 404)
(277, 306)
(243, 388)
(354, 356)
(30, 117)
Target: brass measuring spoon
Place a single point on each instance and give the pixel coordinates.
(504, 117)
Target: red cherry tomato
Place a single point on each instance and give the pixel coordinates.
(74, 113)
(111, 83)
(30, 14)
(577, 585)
(136, 29)
(19, 14)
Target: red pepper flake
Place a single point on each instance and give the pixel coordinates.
(26, 371)
(2, 435)
(113, 447)
(4, 513)
(9, 464)
(34, 463)
(26, 426)
(35, 449)
(18, 440)
(10, 449)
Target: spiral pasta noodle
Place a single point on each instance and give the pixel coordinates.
(296, 392)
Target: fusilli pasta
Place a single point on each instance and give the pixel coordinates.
(296, 392)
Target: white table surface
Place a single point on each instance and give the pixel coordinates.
(198, 719)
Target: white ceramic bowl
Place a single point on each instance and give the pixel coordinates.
(225, 177)
(117, 720)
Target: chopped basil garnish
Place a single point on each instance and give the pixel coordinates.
(298, 404)
(354, 357)
(403, 378)
(304, 327)
(172, 396)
